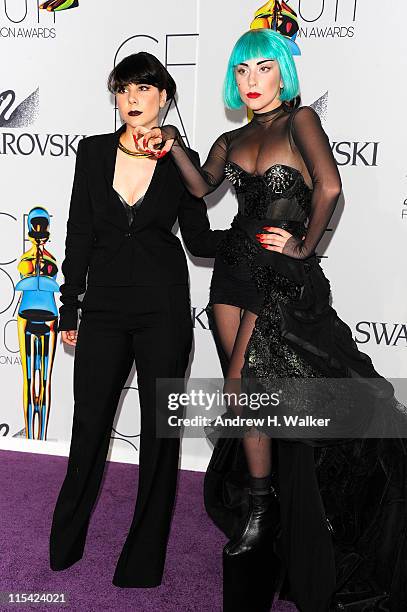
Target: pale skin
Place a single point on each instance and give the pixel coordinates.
(260, 75)
(132, 175)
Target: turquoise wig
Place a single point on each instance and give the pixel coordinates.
(261, 43)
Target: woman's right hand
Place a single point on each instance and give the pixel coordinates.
(69, 337)
(151, 139)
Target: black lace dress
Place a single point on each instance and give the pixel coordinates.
(343, 502)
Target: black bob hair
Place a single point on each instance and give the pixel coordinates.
(139, 68)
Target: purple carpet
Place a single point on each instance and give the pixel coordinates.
(193, 574)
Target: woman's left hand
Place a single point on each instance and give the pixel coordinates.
(274, 240)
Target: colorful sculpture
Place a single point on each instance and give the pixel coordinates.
(37, 324)
(59, 5)
(276, 15)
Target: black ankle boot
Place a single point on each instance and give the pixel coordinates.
(261, 524)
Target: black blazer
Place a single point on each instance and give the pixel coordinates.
(102, 249)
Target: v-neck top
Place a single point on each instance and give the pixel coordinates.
(131, 209)
(107, 252)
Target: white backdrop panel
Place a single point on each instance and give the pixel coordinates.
(349, 59)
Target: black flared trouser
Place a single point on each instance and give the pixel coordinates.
(151, 326)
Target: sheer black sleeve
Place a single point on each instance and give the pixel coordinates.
(196, 232)
(198, 180)
(313, 145)
(78, 245)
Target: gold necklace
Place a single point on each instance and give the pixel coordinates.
(133, 153)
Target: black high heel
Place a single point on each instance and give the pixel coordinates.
(261, 526)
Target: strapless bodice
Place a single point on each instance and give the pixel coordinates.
(280, 194)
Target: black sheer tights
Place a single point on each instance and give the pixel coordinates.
(234, 328)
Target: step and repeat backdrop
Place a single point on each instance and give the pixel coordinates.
(56, 57)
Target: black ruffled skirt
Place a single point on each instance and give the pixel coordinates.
(343, 502)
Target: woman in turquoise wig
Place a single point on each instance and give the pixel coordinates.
(327, 509)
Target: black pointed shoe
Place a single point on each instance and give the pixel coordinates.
(262, 523)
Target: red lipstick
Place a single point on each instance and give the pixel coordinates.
(253, 94)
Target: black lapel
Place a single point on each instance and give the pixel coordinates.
(110, 155)
(116, 213)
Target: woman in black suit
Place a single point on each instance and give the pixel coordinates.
(136, 308)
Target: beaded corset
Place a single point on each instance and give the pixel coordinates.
(257, 194)
(279, 197)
